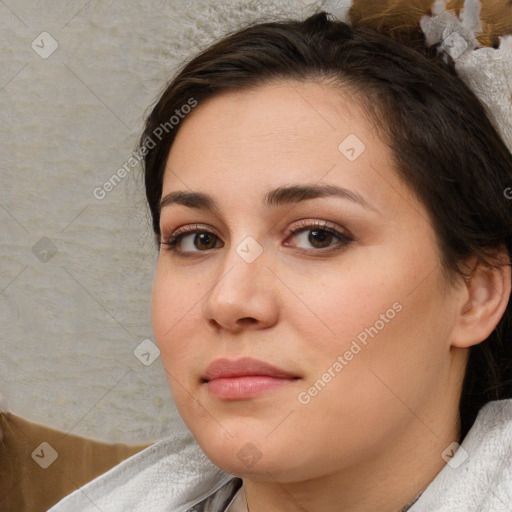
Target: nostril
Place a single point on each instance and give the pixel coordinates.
(238, 324)
(247, 320)
(214, 323)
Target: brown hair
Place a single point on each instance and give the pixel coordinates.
(445, 146)
(400, 19)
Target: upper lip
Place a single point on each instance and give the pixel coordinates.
(227, 368)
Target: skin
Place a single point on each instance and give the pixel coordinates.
(372, 438)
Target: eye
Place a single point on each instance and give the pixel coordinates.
(194, 238)
(197, 238)
(319, 235)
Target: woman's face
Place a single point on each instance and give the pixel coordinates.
(348, 310)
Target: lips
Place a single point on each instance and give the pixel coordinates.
(244, 378)
(244, 367)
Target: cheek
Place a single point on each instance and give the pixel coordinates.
(172, 308)
(369, 379)
(338, 304)
(172, 315)
(378, 317)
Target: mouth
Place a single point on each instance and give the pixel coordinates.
(244, 378)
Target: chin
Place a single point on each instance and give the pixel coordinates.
(250, 455)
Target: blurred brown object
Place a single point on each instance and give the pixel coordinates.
(400, 18)
(26, 486)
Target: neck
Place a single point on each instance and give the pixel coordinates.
(390, 481)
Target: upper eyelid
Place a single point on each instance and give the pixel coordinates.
(319, 224)
(190, 228)
(302, 225)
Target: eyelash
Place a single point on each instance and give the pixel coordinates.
(170, 243)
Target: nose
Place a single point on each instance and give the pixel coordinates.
(242, 296)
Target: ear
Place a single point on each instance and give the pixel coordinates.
(485, 296)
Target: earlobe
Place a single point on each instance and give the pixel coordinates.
(486, 295)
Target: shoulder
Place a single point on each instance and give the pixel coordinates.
(478, 473)
(172, 474)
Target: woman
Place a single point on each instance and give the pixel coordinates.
(331, 298)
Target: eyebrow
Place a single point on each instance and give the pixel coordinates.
(280, 196)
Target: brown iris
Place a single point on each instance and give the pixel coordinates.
(319, 236)
(207, 240)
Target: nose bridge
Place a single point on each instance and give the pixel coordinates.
(242, 269)
(241, 289)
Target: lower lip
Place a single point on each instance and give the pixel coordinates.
(236, 388)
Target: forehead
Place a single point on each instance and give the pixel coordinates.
(246, 141)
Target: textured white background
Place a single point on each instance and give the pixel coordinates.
(68, 327)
